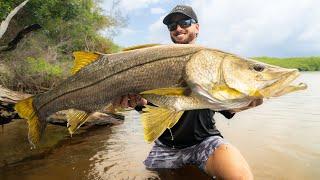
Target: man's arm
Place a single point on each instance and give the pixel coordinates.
(131, 100)
(227, 114)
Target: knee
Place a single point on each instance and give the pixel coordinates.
(240, 174)
(234, 173)
(227, 163)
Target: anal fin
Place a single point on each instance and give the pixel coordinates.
(156, 120)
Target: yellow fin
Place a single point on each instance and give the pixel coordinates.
(156, 120)
(177, 91)
(139, 47)
(75, 119)
(25, 110)
(81, 59)
(222, 92)
(255, 93)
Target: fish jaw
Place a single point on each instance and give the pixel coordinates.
(282, 86)
(291, 88)
(256, 79)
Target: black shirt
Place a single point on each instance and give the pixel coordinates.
(192, 128)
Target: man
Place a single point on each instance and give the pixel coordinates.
(195, 138)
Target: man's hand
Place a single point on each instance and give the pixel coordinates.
(252, 104)
(130, 100)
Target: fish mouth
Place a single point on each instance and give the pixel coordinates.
(282, 86)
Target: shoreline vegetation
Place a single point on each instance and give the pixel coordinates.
(301, 63)
(43, 58)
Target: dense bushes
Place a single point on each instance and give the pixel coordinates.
(44, 57)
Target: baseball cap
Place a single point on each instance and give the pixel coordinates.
(182, 9)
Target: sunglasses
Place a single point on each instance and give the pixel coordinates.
(184, 23)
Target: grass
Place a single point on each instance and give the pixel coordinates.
(301, 63)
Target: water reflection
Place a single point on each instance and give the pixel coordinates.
(123, 153)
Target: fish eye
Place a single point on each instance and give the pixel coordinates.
(258, 67)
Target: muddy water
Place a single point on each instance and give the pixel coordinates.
(113, 152)
(280, 140)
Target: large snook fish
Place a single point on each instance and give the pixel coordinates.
(173, 77)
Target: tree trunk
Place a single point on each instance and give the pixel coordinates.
(8, 99)
(8, 96)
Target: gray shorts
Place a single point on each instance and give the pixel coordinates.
(162, 156)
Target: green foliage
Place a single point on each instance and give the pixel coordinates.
(301, 63)
(5, 8)
(34, 75)
(41, 66)
(71, 25)
(44, 57)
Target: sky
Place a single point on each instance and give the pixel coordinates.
(286, 28)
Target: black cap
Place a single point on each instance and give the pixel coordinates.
(182, 9)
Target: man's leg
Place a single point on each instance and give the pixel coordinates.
(226, 162)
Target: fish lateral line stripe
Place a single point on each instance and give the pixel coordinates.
(96, 82)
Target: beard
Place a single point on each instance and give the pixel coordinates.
(190, 37)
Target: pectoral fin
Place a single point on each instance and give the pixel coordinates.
(156, 120)
(75, 119)
(175, 91)
(202, 93)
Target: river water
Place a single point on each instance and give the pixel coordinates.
(280, 139)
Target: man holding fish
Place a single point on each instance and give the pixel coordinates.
(195, 138)
(185, 82)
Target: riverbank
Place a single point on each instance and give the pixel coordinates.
(301, 63)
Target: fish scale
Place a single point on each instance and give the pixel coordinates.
(123, 77)
(115, 63)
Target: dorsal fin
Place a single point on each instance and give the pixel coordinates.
(139, 47)
(81, 59)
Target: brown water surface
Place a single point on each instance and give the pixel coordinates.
(280, 139)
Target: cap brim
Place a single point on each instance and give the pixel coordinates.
(166, 20)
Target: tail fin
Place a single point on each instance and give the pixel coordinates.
(25, 110)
